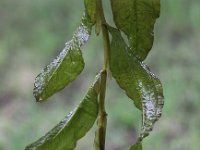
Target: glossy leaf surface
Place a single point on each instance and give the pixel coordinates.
(66, 67)
(66, 134)
(142, 86)
(136, 18)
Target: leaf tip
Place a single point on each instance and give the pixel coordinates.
(39, 99)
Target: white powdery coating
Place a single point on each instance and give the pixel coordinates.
(146, 68)
(160, 103)
(160, 98)
(148, 101)
(80, 37)
(55, 132)
(152, 103)
(149, 110)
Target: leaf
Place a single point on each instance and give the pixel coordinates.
(90, 6)
(66, 67)
(142, 86)
(136, 18)
(137, 146)
(65, 135)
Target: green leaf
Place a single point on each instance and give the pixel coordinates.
(90, 6)
(65, 135)
(66, 67)
(142, 86)
(136, 18)
(137, 146)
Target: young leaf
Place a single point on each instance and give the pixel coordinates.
(136, 18)
(66, 134)
(142, 86)
(66, 67)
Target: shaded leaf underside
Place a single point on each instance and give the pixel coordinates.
(66, 67)
(136, 18)
(65, 135)
(142, 86)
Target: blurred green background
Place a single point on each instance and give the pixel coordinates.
(32, 33)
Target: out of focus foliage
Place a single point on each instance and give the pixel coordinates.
(31, 32)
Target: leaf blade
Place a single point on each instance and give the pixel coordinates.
(136, 18)
(133, 76)
(66, 67)
(65, 135)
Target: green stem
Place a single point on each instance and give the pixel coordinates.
(102, 118)
(106, 45)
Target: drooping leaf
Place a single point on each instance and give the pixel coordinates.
(66, 67)
(136, 18)
(65, 135)
(137, 146)
(142, 86)
(90, 6)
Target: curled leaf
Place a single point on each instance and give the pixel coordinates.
(136, 18)
(65, 135)
(142, 86)
(66, 67)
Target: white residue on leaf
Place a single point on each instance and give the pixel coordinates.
(152, 102)
(146, 68)
(80, 37)
(160, 103)
(149, 110)
(158, 88)
(51, 134)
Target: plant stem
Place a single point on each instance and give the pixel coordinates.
(102, 118)
(102, 21)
